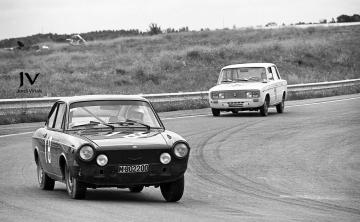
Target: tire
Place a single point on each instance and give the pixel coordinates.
(45, 182)
(215, 112)
(264, 109)
(173, 191)
(281, 106)
(136, 189)
(75, 188)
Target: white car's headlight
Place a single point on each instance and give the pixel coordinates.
(215, 95)
(102, 160)
(181, 150)
(221, 95)
(165, 158)
(253, 94)
(86, 152)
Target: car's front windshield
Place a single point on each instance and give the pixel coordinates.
(112, 113)
(230, 75)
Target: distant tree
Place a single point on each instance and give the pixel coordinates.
(355, 18)
(184, 29)
(323, 21)
(332, 20)
(170, 30)
(271, 24)
(154, 29)
(343, 18)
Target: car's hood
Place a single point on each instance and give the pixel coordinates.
(128, 140)
(239, 86)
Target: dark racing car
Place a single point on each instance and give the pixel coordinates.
(109, 141)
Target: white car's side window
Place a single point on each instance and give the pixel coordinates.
(270, 74)
(275, 73)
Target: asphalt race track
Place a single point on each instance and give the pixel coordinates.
(302, 165)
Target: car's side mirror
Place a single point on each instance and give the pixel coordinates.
(46, 122)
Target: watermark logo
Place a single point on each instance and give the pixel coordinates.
(31, 80)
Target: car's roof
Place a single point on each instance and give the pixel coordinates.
(247, 65)
(85, 98)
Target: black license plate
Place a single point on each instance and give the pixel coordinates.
(141, 168)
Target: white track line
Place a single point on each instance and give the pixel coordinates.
(330, 101)
(201, 115)
(15, 134)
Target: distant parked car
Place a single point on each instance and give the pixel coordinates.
(109, 141)
(251, 86)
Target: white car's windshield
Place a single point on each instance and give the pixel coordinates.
(113, 113)
(242, 74)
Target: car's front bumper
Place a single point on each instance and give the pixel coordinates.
(235, 104)
(108, 176)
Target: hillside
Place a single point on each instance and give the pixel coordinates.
(188, 61)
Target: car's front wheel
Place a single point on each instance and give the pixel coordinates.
(45, 182)
(173, 191)
(75, 188)
(264, 109)
(215, 112)
(136, 189)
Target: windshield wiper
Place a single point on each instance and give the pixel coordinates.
(226, 80)
(132, 122)
(94, 123)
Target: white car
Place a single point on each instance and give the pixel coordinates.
(251, 86)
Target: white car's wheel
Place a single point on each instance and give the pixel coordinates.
(215, 112)
(281, 106)
(264, 109)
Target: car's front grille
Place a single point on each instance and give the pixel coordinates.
(134, 156)
(235, 94)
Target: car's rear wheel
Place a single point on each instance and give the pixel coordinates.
(215, 112)
(173, 191)
(264, 109)
(75, 188)
(45, 182)
(281, 106)
(136, 189)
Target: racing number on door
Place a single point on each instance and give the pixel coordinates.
(48, 149)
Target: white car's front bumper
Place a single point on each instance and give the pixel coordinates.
(231, 104)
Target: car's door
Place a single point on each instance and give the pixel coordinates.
(281, 86)
(271, 88)
(277, 84)
(45, 150)
(57, 138)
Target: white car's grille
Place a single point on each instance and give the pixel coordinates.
(235, 94)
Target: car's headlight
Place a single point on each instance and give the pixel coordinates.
(102, 160)
(181, 150)
(215, 95)
(165, 158)
(86, 152)
(222, 95)
(253, 94)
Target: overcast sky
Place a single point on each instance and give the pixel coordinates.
(27, 17)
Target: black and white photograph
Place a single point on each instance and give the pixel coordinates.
(180, 110)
